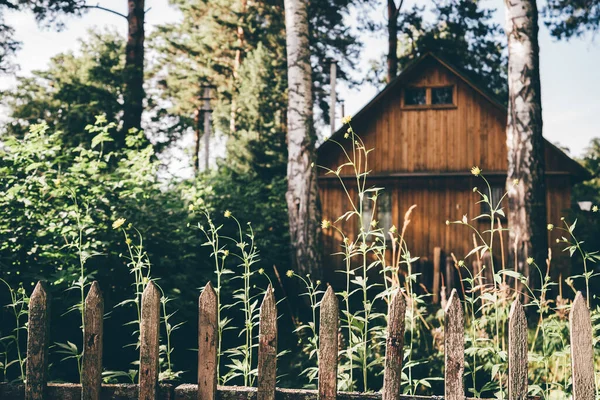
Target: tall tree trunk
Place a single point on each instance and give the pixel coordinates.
(526, 200)
(392, 56)
(134, 67)
(197, 135)
(239, 57)
(302, 194)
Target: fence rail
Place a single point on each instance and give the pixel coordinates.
(38, 388)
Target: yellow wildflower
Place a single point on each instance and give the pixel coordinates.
(476, 171)
(118, 223)
(290, 273)
(346, 119)
(530, 260)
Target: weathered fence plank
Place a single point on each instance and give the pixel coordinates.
(328, 346)
(454, 348)
(149, 342)
(517, 352)
(91, 374)
(582, 352)
(437, 261)
(208, 337)
(267, 347)
(394, 348)
(37, 343)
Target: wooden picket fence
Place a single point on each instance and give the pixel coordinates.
(91, 387)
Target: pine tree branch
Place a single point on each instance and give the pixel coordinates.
(99, 7)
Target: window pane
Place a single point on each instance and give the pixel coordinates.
(494, 198)
(414, 96)
(383, 213)
(442, 95)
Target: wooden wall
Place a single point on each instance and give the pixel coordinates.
(437, 200)
(448, 139)
(412, 150)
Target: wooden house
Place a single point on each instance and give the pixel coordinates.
(427, 129)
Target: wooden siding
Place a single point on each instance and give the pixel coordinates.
(437, 200)
(446, 139)
(422, 156)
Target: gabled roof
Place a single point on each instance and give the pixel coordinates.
(577, 169)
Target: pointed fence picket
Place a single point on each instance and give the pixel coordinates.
(91, 375)
(206, 388)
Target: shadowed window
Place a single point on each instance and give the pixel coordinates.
(383, 213)
(495, 197)
(414, 96)
(442, 95)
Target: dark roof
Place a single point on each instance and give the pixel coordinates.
(578, 170)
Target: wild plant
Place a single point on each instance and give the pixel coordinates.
(219, 255)
(493, 296)
(241, 357)
(166, 350)
(573, 246)
(19, 306)
(140, 267)
(85, 227)
(311, 345)
(365, 252)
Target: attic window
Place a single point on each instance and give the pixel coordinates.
(442, 95)
(423, 97)
(415, 96)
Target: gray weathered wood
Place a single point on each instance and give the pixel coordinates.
(454, 348)
(437, 261)
(582, 352)
(91, 374)
(149, 342)
(208, 337)
(328, 346)
(37, 343)
(394, 348)
(517, 352)
(267, 347)
(72, 391)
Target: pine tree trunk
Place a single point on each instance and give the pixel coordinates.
(134, 68)
(526, 200)
(392, 56)
(302, 194)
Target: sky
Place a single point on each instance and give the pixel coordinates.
(570, 81)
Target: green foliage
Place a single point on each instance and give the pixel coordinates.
(75, 86)
(8, 47)
(217, 38)
(58, 206)
(13, 353)
(571, 18)
(463, 33)
(47, 12)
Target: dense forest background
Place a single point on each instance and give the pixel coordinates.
(70, 165)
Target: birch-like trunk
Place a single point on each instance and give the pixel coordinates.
(134, 67)
(302, 194)
(526, 200)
